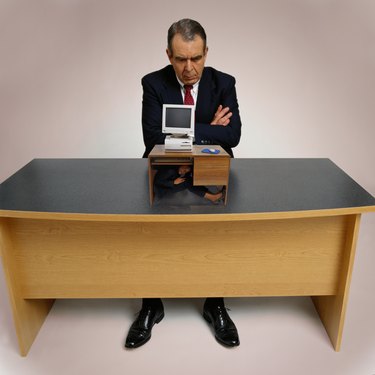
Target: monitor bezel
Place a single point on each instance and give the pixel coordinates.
(179, 131)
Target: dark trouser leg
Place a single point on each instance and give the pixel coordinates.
(152, 302)
(198, 190)
(212, 301)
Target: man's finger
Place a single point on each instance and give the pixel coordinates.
(219, 108)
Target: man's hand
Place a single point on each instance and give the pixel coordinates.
(222, 116)
(179, 180)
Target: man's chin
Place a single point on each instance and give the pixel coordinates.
(190, 81)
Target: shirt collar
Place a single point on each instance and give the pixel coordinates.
(195, 86)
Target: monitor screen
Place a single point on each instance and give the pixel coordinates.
(178, 119)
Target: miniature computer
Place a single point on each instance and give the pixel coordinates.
(178, 123)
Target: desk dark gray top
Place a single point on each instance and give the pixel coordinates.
(120, 186)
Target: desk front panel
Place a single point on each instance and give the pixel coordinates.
(77, 259)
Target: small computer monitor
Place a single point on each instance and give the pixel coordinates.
(178, 119)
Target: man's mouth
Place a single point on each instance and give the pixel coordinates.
(188, 78)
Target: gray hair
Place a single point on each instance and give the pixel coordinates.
(188, 29)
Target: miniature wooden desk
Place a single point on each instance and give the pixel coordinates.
(84, 228)
(208, 169)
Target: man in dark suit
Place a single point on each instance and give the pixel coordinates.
(217, 122)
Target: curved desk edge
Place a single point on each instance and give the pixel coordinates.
(186, 217)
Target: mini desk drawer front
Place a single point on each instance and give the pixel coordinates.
(164, 160)
(211, 170)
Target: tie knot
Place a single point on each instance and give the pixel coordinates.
(188, 87)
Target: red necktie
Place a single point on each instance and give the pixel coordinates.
(188, 99)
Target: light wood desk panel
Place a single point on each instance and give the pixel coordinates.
(77, 259)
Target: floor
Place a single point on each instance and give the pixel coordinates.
(278, 335)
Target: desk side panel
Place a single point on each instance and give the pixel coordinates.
(332, 309)
(28, 315)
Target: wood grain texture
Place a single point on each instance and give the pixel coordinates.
(28, 315)
(332, 309)
(61, 259)
(211, 171)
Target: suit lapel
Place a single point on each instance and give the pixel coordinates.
(205, 97)
(172, 91)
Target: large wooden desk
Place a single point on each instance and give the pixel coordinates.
(85, 229)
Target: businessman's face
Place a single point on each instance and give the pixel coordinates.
(188, 58)
(183, 169)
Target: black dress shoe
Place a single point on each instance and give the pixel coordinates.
(225, 330)
(140, 331)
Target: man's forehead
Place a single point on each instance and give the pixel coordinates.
(187, 48)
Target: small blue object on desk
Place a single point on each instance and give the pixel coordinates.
(210, 150)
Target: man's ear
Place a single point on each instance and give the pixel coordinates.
(169, 53)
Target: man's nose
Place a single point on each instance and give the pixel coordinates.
(189, 65)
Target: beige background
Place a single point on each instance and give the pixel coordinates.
(70, 74)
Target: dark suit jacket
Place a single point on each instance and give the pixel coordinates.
(215, 88)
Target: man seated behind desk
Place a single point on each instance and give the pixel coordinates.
(217, 117)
